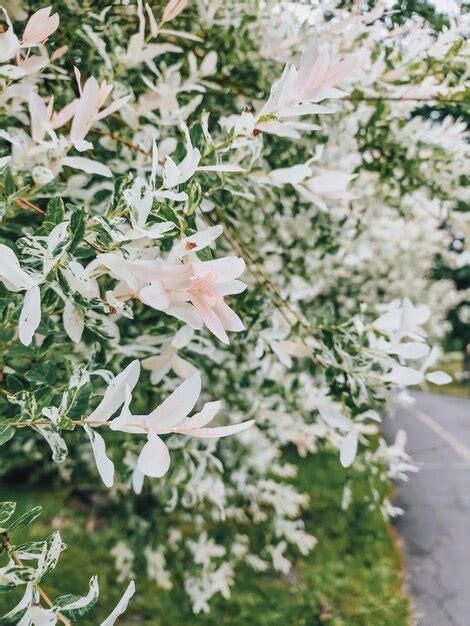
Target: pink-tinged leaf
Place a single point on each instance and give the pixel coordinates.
(39, 27)
(340, 71)
(154, 295)
(78, 78)
(64, 115)
(172, 9)
(59, 53)
(210, 319)
(152, 21)
(230, 320)
(225, 269)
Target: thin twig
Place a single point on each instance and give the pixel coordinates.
(49, 423)
(399, 99)
(26, 204)
(119, 139)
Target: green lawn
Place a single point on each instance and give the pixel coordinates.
(352, 577)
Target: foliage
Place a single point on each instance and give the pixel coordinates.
(199, 201)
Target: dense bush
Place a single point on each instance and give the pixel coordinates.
(242, 200)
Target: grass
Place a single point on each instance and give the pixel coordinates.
(353, 577)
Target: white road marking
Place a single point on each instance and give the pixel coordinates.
(459, 448)
(430, 465)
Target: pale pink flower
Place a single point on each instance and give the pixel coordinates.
(86, 110)
(39, 27)
(197, 297)
(299, 90)
(172, 417)
(172, 9)
(192, 292)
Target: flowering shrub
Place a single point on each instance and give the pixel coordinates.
(196, 199)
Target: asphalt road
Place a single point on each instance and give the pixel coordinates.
(436, 523)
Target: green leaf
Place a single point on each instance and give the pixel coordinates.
(43, 374)
(13, 617)
(205, 254)
(6, 511)
(74, 607)
(79, 401)
(29, 550)
(77, 228)
(14, 575)
(53, 548)
(54, 214)
(9, 183)
(6, 433)
(25, 519)
(58, 446)
(13, 383)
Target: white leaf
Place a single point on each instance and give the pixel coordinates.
(216, 432)
(154, 458)
(37, 616)
(103, 463)
(73, 320)
(30, 316)
(11, 274)
(292, 175)
(177, 406)
(140, 199)
(115, 394)
(58, 446)
(84, 601)
(438, 378)
(401, 375)
(121, 606)
(20, 609)
(87, 165)
(411, 350)
(348, 449)
(335, 419)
